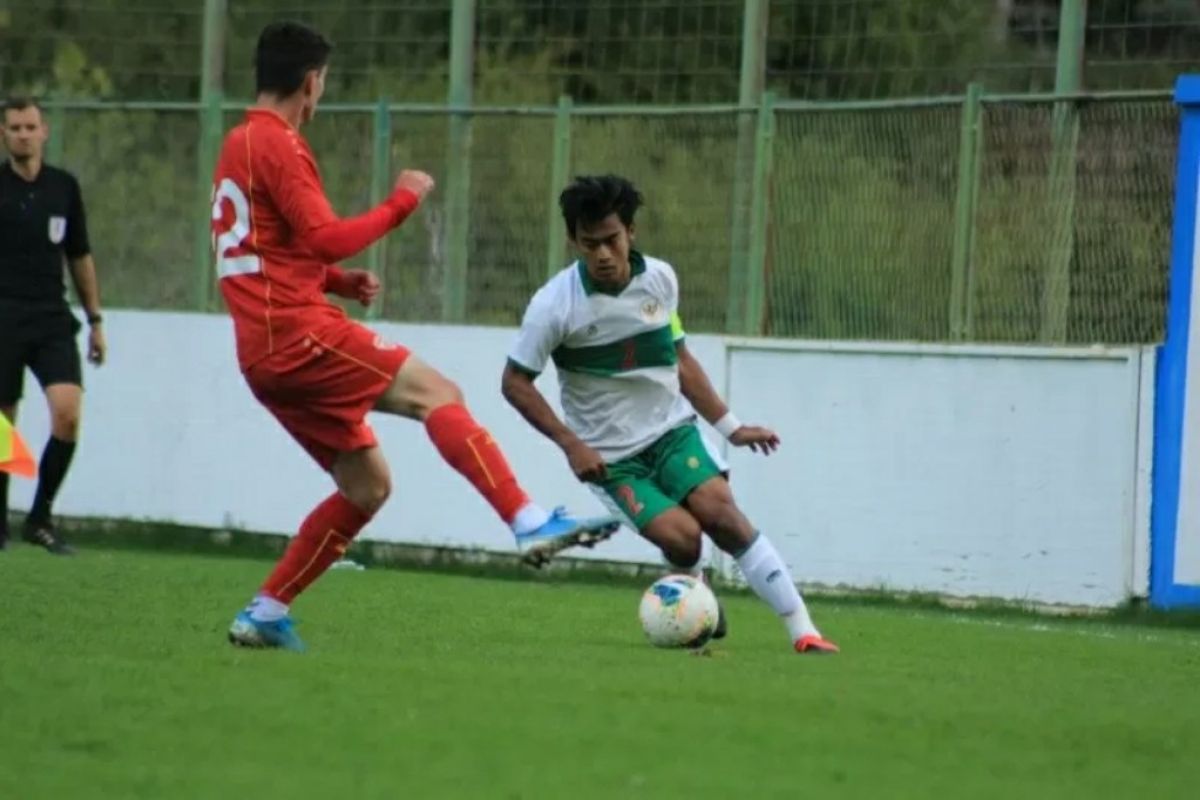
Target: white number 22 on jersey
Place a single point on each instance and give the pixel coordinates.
(228, 265)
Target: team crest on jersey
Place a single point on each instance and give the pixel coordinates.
(650, 309)
(58, 229)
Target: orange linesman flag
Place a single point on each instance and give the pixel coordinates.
(14, 455)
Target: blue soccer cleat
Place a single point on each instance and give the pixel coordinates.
(249, 632)
(562, 531)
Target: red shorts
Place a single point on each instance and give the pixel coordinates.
(321, 387)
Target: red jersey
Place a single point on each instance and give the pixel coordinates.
(277, 237)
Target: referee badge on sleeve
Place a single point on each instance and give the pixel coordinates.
(58, 229)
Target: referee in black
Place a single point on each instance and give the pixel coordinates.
(42, 225)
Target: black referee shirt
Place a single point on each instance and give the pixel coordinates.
(40, 222)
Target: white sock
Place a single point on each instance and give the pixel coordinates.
(267, 609)
(529, 519)
(768, 576)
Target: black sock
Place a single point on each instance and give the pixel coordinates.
(56, 458)
(3, 505)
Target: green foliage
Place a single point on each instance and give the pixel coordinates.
(899, 48)
(684, 167)
(862, 224)
(137, 170)
(861, 212)
(1122, 195)
(603, 51)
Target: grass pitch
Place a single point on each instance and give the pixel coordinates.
(116, 682)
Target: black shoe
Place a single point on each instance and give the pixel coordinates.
(722, 628)
(43, 535)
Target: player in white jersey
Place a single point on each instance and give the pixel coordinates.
(631, 391)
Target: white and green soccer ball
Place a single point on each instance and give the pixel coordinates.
(679, 611)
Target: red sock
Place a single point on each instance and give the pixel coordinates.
(470, 449)
(323, 538)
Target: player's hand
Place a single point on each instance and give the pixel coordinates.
(586, 463)
(361, 285)
(415, 181)
(97, 347)
(759, 439)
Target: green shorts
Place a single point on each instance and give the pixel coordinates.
(659, 478)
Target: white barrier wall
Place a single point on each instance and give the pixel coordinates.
(957, 471)
(1005, 473)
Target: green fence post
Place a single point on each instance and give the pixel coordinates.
(750, 88)
(760, 210)
(1056, 289)
(211, 94)
(206, 161)
(58, 130)
(556, 234)
(458, 167)
(381, 179)
(961, 272)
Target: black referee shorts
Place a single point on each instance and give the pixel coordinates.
(44, 344)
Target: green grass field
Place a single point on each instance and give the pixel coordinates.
(116, 682)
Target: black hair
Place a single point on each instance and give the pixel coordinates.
(591, 198)
(286, 52)
(20, 103)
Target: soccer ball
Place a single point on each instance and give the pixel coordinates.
(679, 611)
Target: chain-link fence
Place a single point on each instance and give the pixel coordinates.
(862, 223)
(1117, 213)
(861, 212)
(1002, 216)
(145, 49)
(688, 185)
(384, 48)
(1139, 45)
(626, 51)
(137, 170)
(606, 51)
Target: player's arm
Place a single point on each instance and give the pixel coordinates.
(693, 380)
(296, 190)
(699, 391)
(83, 274)
(87, 286)
(517, 386)
(332, 238)
(697, 388)
(541, 331)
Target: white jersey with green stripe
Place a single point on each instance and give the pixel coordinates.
(614, 352)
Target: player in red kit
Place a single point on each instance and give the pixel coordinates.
(319, 373)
